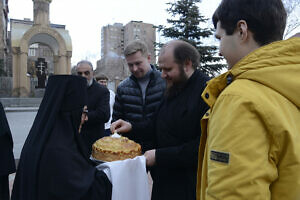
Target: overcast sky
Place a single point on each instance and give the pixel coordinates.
(85, 18)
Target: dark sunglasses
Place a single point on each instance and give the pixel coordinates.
(85, 73)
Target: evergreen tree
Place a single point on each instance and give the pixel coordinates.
(185, 25)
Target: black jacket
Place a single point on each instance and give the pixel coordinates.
(129, 104)
(98, 113)
(177, 129)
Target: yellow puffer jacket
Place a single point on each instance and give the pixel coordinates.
(250, 143)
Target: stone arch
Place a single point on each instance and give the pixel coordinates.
(45, 35)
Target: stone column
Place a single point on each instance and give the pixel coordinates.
(68, 67)
(15, 70)
(62, 64)
(56, 64)
(41, 12)
(21, 82)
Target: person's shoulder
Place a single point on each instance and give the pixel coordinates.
(156, 76)
(126, 82)
(155, 72)
(202, 76)
(248, 90)
(200, 79)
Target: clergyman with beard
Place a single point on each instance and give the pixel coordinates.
(176, 124)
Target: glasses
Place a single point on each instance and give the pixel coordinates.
(85, 73)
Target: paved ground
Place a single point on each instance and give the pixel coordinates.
(20, 124)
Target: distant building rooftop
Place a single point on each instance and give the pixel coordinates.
(29, 22)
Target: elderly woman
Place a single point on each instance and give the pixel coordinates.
(54, 162)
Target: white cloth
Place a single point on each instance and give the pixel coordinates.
(128, 177)
(111, 105)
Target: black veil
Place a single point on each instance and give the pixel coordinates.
(54, 163)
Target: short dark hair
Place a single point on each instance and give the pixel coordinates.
(266, 19)
(183, 51)
(101, 77)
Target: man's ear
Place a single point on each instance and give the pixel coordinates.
(149, 58)
(242, 29)
(188, 65)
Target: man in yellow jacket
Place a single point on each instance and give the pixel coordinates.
(250, 142)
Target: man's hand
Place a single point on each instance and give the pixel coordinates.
(120, 126)
(84, 118)
(150, 157)
(84, 114)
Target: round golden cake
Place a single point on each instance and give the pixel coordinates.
(115, 148)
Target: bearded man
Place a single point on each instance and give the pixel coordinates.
(176, 124)
(98, 105)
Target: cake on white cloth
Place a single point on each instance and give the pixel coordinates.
(128, 177)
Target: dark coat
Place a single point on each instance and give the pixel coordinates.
(130, 107)
(177, 130)
(98, 113)
(7, 160)
(54, 162)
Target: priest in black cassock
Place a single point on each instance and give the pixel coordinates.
(7, 161)
(54, 162)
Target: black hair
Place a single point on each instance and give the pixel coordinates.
(101, 77)
(184, 51)
(266, 19)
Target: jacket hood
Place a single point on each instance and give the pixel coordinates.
(276, 65)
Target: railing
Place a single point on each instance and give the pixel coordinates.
(5, 86)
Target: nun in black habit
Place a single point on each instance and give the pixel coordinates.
(7, 161)
(54, 163)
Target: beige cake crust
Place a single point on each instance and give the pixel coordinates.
(115, 148)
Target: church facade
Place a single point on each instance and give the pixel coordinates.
(38, 49)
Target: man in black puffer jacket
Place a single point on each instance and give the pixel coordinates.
(139, 95)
